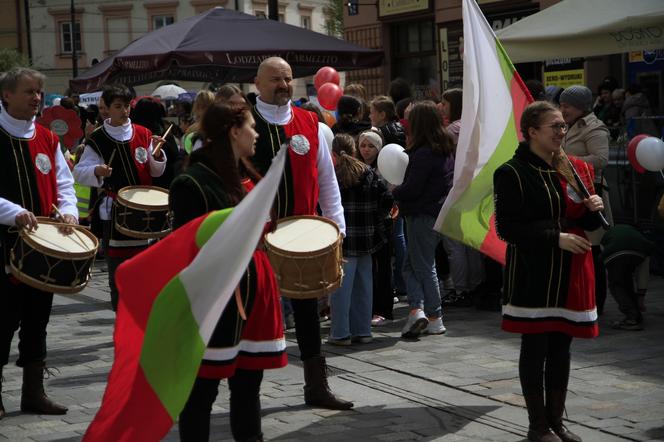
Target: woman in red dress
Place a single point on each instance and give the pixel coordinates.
(239, 349)
(548, 291)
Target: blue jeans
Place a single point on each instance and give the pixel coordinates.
(399, 244)
(350, 305)
(420, 265)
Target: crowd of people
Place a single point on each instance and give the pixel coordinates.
(546, 210)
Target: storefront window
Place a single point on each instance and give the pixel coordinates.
(414, 56)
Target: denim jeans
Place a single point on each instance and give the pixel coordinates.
(399, 245)
(350, 305)
(420, 265)
(466, 267)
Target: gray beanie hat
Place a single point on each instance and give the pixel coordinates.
(578, 96)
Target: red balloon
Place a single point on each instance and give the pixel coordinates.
(326, 74)
(329, 95)
(631, 153)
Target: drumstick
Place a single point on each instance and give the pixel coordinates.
(157, 148)
(57, 212)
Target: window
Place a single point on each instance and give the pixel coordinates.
(118, 31)
(159, 21)
(305, 21)
(65, 37)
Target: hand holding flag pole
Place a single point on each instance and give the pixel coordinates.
(584, 190)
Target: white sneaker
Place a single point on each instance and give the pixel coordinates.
(415, 324)
(435, 327)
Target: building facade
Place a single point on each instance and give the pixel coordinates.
(14, 24)
(421, 41)
(103, 27)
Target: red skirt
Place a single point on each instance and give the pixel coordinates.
(260, 345)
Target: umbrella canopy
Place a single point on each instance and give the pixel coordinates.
(168, 92)
(584, 28)
(225, 46)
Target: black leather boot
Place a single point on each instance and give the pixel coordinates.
(555, 407)
(2, 407)
(33, 397)
(538, 428)
(316, 389)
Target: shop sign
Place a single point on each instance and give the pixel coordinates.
(397, 7)
(564, 72)
(564, 79)
(648, 57)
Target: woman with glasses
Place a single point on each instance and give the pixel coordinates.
(588, 139)
(548, 289)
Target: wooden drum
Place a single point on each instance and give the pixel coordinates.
(306, 256)
(49, 260)
(142, 212)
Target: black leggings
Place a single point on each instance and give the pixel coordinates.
(544, 360)
(307, 327)
(245, 405)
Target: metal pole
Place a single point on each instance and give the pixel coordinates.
(74, 54)
(273, 9)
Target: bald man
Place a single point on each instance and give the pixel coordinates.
(309, 181)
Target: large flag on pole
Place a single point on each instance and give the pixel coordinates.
(494, 97)
(171, 297)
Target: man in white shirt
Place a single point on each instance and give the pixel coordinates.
(33, 177)
(309, 181)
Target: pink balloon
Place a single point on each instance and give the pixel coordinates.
(329, 95)
(326, 74)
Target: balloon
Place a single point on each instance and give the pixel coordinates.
(327, 134)
(392, 163)
(650, 154)
(329, 95)
(326, 74)
(631, 153)
(330, 119)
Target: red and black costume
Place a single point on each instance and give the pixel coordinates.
(238, 350)
(309, 182)
(33, 176)
(127, 150)
(548, 293)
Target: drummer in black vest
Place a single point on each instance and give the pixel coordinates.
(309, 181)
(118, 154)
(33, 177)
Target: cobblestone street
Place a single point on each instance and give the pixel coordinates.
(462, 386)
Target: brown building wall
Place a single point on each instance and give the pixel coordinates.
(13, 26)
(443, 17)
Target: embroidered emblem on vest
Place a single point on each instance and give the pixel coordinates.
(300, 144)
(141, 155)
(43, 163)
(573, 195)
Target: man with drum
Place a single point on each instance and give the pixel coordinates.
(309, 180)
(119, 154)
(33, 178)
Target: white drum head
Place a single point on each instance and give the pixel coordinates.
(145, 196)
(49, 237)
(303, 235)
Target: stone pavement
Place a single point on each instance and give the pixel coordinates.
(462, 386)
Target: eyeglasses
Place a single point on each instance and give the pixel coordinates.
(558, 127)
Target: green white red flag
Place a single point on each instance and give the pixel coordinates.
(494, 97)
(171, 297)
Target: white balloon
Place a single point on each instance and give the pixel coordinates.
(650, 154)
(392, 163)
(327, 134)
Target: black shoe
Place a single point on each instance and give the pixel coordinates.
(627, 324)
